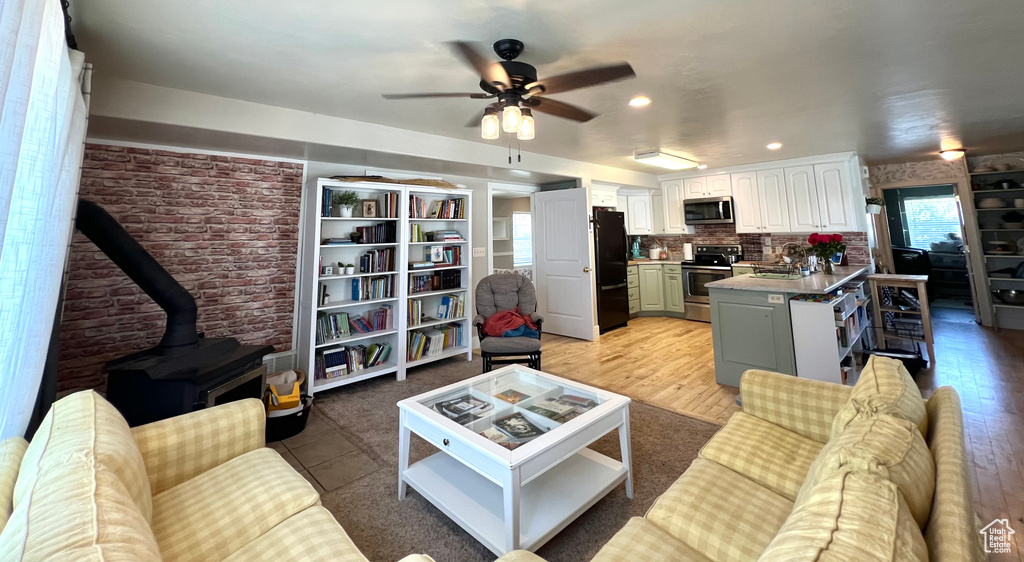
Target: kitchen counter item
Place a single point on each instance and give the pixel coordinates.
(817, 283)
(991, 203)
(776, 270)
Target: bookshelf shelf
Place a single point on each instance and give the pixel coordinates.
(392, 199)
(356, 337)
(436, 322)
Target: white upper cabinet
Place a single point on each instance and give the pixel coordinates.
(602, 196)
(638, 215)
(694, 188)
(657, 213)
(718, 186)
(836, 205)
(746, 205)
(771, 190)
(672, 207)
(803, 199)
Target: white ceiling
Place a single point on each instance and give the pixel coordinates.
(891, 79)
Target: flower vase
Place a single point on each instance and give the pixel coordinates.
(827, 267)
(345, 211)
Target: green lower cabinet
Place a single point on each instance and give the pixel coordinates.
(673, 292)
(750, 333)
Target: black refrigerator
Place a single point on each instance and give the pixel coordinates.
(611, 249)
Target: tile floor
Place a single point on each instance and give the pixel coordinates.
(324, 457)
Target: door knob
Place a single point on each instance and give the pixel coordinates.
(586, 270)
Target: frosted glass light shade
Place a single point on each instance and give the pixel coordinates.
(511, 118)
(527, 129)
(489, 127)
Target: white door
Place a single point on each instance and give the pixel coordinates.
(563, 249)
(803, 199)
(672, 199)
(771, 190)
(639, 214)
(694, 188)
(746, 205)
(835, 198)
(719, 185)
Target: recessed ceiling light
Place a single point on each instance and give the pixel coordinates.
(952, 154)
(638, 101)
(774, 146)
(661, 159)
(702, 167)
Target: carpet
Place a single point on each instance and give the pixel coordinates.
(385, 529)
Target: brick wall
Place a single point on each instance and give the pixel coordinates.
(856, 242)
(226, 228)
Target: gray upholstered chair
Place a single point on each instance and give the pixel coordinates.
(505, 291)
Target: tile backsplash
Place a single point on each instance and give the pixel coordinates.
(857, 252)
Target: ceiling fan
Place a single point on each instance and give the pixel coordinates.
(514, 83)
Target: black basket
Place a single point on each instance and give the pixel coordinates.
(290, 425)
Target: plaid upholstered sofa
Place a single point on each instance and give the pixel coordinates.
(196, 487)
(817, 471)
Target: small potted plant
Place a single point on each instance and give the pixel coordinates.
(350, 269)
(345, 201)
(826, 247)
(875, 205)
(355, 237)
(1013, 220)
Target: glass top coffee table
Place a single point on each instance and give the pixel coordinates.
(514, 468)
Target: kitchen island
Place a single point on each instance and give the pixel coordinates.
(751, 322)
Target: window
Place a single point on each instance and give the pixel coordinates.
(522, 239)
(930, 219)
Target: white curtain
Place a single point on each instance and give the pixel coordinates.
(44, 90)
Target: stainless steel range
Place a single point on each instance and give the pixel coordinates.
(710, 263)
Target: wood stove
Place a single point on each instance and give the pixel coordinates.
(185, 371)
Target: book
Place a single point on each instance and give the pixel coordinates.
(518, 427)
(500, 438)
(512, 396)
(551, 408)
(465, 404)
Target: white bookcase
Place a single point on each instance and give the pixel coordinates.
(317, 255)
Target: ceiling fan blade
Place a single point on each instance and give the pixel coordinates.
(583, 78)
(491, 72)
(559, 109)
(476, 95)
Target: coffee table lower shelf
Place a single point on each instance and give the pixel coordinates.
(548, 503)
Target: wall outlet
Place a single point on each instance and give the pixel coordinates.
(776, 299)
(766, 240)
(479, 252)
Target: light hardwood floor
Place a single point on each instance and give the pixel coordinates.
(669, 363)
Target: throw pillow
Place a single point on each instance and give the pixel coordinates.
(884, 387)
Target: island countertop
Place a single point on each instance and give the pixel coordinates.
(816, 283)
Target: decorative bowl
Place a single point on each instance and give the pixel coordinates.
(1010, 296)
(991, 203)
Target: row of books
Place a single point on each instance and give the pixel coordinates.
(342, 324)
(419, 234)
(433, 342)
(387, 203)
(380, 233)
(435, 281)
(443, 255)
(451, 306)
(347, 360)
(373, 320)
(376, 287)
(377, 261)
(331, 327)
(420, 208)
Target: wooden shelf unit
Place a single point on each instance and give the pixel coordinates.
(1004, 315)
(315, 254)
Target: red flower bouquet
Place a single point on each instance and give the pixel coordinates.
(825, 246)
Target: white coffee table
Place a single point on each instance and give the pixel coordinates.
(516, 498)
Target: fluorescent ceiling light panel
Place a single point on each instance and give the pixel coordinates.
(664, 160)
(952, 154)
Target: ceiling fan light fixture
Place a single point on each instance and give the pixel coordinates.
(640, 101)
(664, 160)
(511, 118)
(952, 154)
(702, 167)
(490, 128)
(527, 129)
(774, 145)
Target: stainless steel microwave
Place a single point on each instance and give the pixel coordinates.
(708, 210)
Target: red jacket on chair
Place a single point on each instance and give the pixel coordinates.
(506, 320)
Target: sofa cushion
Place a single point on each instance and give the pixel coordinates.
(773, 457)
(889, 447)
(77, 510)
(218, 512)
(710, 509)
(11, 452)
(80, 426)
(884, 387)
(640, 539)
(312, 533)
(849, 516)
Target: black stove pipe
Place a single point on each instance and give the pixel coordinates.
(114, 241)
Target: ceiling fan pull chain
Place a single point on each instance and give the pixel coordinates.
(519, 151)
(509, 149)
